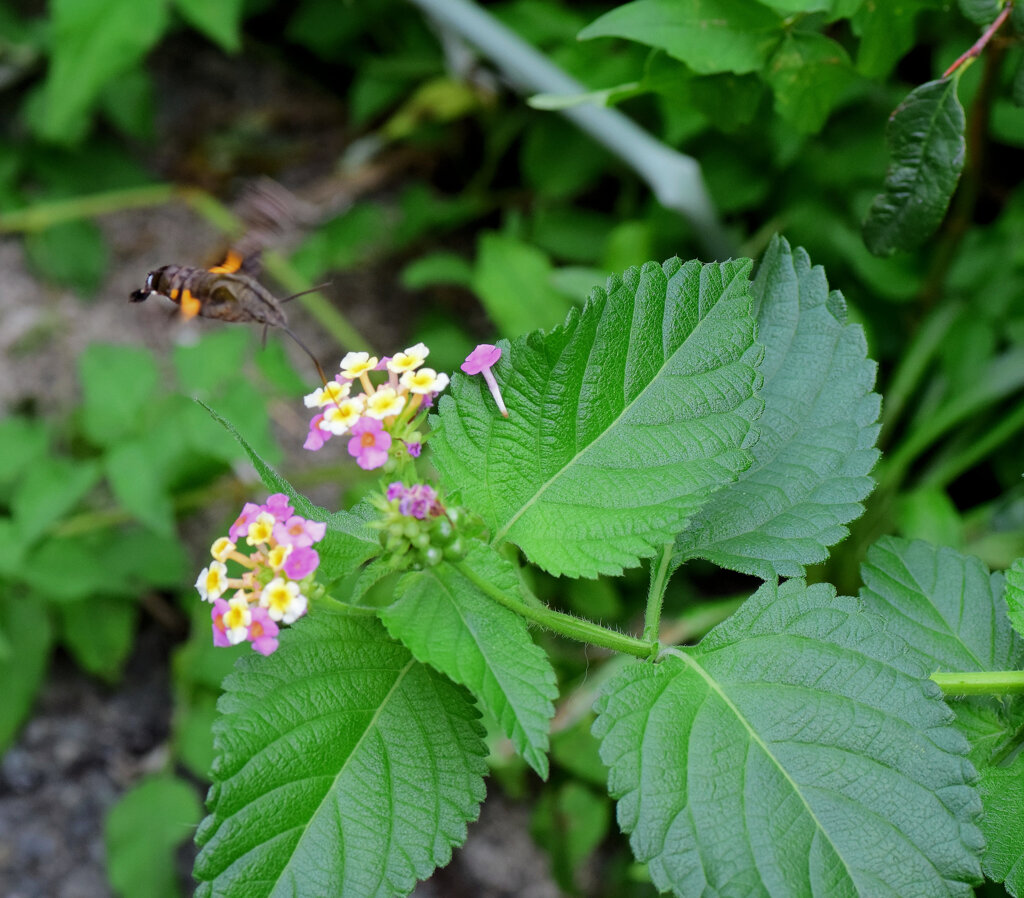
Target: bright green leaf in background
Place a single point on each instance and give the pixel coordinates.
(71, 254)
(622, 423)
(808, 73)
(362, 798)
(219, 20)
(708, 35)
(817, 432)
(51, 488)
(94, 41)
(513, 281)
(927, 145)
(446, 621)
(142, 834)
(26, 635)
(790, 753)
(99, 631)
(886, 31)
(980, 12)
(117, 382)
(950, 611)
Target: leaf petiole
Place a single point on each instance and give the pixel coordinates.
(563, 624)
(985, 682)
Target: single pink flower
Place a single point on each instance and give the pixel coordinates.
(301, 563)
(480, 361)
(316, 437)
(369, 444)
(263, 632)
(220, 632)
(279, 506)
(250, 511)
(299, 532)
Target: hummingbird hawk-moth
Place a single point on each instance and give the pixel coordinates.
(227, 292)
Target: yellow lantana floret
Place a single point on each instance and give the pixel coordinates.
(212, 581)
(357, 363)
(332, 394)
(237, 619)
(222, 549)
(338, 419)
(283, 600)
(409, 360)
(277, 556)
(261, 529)
(384, 403)
(426, 380)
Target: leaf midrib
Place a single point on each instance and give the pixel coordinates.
(713, 685)
(370, 727)
(502, 532)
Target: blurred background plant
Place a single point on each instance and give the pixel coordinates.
(440, 206)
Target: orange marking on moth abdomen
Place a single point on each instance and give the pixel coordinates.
(230, 265)
(189, 304)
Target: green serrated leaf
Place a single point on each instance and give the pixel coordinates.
(219, 20)
(1015, 594)
(513, 281)
(348, 541)
(787, 754)
(950, 611)
(926, 145)
(23, 441)
(117, 384)
(818, 431)
(93, 42)
(708, 35)
(26, 629)
(344, 768)
(808, 73)
(143, 831)
(447, 622)
(622, 423)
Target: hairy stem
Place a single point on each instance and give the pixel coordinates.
(656, 593)
(563, 624)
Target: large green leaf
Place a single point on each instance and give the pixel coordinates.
(26, 636)
(347, 543)
(818, 431)
(93, 42)
(446, 621)
(952, 613)
(926, 145)
(344, 767)
(708, 35)
(1015, 594)
(787, 754)
(622, 423)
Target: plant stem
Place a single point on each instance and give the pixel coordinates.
(994, 682)
(656, 594)
(945, 472)
(44, 215)
(563, 624)
(980, 43)
(675, 178)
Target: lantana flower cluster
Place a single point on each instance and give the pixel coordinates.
(417, 530)
(276, 577)
(379, 414)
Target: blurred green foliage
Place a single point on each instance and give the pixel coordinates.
(508, 208)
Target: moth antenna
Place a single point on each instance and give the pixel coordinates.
(304, 292)
(308, 351)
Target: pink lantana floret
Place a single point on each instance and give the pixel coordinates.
(298, 532)
(317, 436)
(279, 505)
(263, 632)
(369, 444)
(250, 511)
(301, 563)
(220, 633)
(480, 361)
